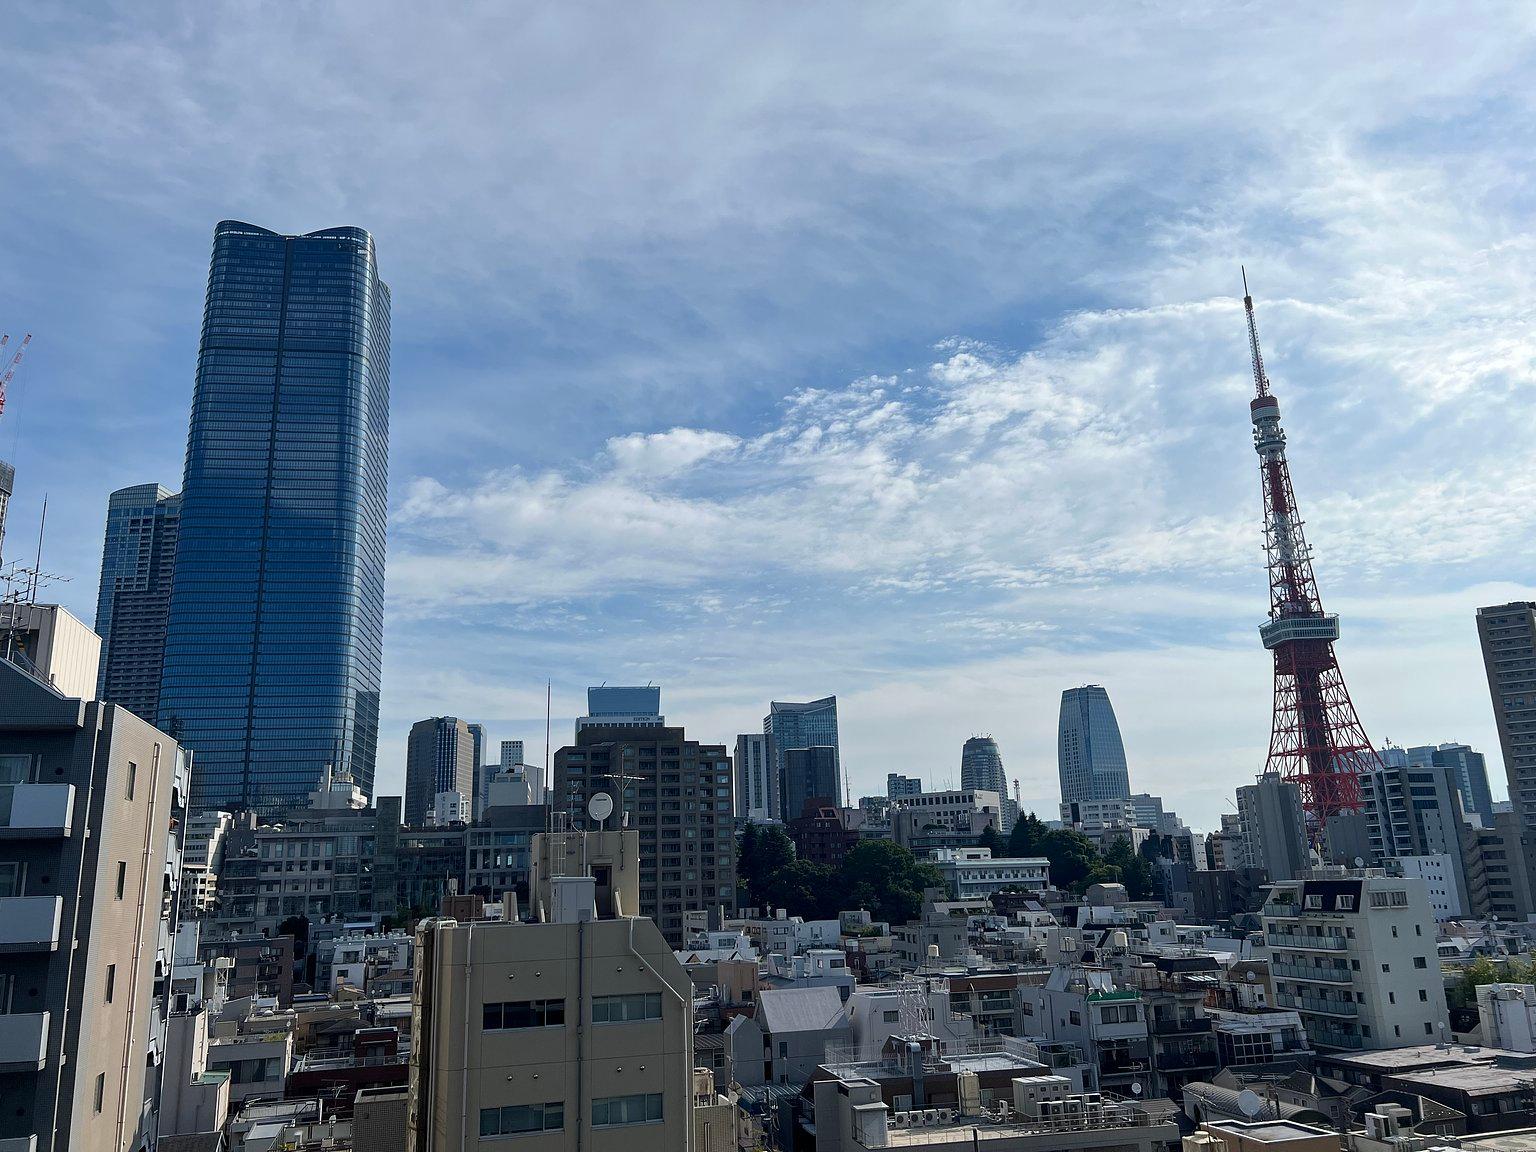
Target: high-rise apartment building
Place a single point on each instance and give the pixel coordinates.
(1414, 812)
(1090, 756)
(1354, 954)
(676, 794)
(812, 724)
(1273, 827)
(897, 786)
(133, 600)
(810, 777)
(7, 489)
(88, 875)
(575, 1032)
(273, 646)
(439, 757)
(981, 766)
(1508, 636)
(757, 784)
(511, 753)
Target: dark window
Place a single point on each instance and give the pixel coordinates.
(509, 1014)
(517, 1118)
(122, 877)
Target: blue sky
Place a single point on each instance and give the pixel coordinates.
(892, 351)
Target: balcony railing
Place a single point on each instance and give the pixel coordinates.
(23, 1042)
(1325, 974)
(1180, 1026)
(30, 923)
(1197, 1058)
(1334, 1038)
(1329, 943)
(36, 811)
(1319, 1004)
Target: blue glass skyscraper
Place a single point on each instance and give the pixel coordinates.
(1090, 756)
(809, 725)
(275, 633)
(138, 561)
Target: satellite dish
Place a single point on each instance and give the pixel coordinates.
(600, 807)
(1136, 1088)
(1250, 975)
(1359, 862)
(1249, 1103)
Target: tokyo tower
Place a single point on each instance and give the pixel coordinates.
(1316, 738)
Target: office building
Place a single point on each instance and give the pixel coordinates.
(511, 753)
(676, 794)
(952, 819)
(757, 784)
(1354, 953)
(133, 600)
(810, 777)
(439, 757)
(1090, 756)
(975, 874)
(51, 643)
(88, 875)
(531, 776)
(981, 766)
(1273, 827)
(480, 779)
(809, 725)
(274, 640)
(576, 1031)
(622, 708)
(1470, 771)
(897, 786)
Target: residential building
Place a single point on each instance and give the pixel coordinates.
(1415, 811)
(88, 874)
(133, 600)
(1497, 883)
(439, 757)
(812, 724)
(951, 819)
(449, 808)
(897, 786)
(202, 858)
(1354, 952)
(757, 784)
(1444, 881)
(973, 873)
(274, 639)
(785, 1040)
(810, 778)
(1107, 1021)
(7, 488)
(622, 708)
(1491, 1089)
(676, 794)
(1507, 1015)
(51, 643)
(981, 766)
(1273, 825)
(1092, 816)
(1469, 771)
(823, 834)
(576, 1030)
(1090, 756)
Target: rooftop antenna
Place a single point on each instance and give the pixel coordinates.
(549, 781)
(42, 525)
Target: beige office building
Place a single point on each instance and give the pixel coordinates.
(87, 871)
(575, 1032)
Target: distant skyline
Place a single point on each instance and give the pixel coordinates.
(896, 354)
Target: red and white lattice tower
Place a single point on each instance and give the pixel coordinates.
(1316, 738)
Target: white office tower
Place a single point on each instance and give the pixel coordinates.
(576, 1030)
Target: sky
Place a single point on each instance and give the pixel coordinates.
(893, 351)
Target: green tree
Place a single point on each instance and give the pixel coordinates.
(888, 879)
(1028, 836)
(764, 851)
(1073, 857)
(805, 889)
(992, 839)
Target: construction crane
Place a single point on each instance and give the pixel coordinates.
(15, 362)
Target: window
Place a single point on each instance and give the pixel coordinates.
(509, 1014)
(1391, 997)
(1394, 931)
(101, 1090)
(892, 1016)
(1397, 899)
(1314, 900)
(1397, 1029)
(1423, 996)
(122, 877)
(608, 1111)
(1420, 962)
(1378, 899)
(133, 778)
(1386, 967)
(517, 1118)
(1346, 903)
(12, 877)
(15, 769)
(7, 990)
(111, 981)
(1429, 1029)
(1074, 1017)
(1418, 929)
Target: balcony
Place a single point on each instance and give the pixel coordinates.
(23, 1042)
(30, 923)
(1180, 1025)
(1322, 975)
(1334, 1038)
(1327, 1007)
(1193, 1058)
(36, 811)
(1295, 940)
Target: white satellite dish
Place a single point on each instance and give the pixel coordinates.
(1136, 1088)
(1359, 862)
(1249, 1103)
(600, 807)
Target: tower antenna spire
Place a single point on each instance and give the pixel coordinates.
(1316, 738)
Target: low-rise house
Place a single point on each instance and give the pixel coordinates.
(789, 1035)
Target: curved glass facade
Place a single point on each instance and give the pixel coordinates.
(274, 643)
(1090, 756)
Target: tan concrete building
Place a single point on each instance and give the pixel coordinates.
(572, 1032)
(86, 871)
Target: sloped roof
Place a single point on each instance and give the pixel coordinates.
(817, 1009)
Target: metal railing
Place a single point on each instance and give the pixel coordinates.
(1319, 1004)
(1325, 974)
(1300, 942)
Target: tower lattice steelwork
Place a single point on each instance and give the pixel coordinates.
(1316, 738)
